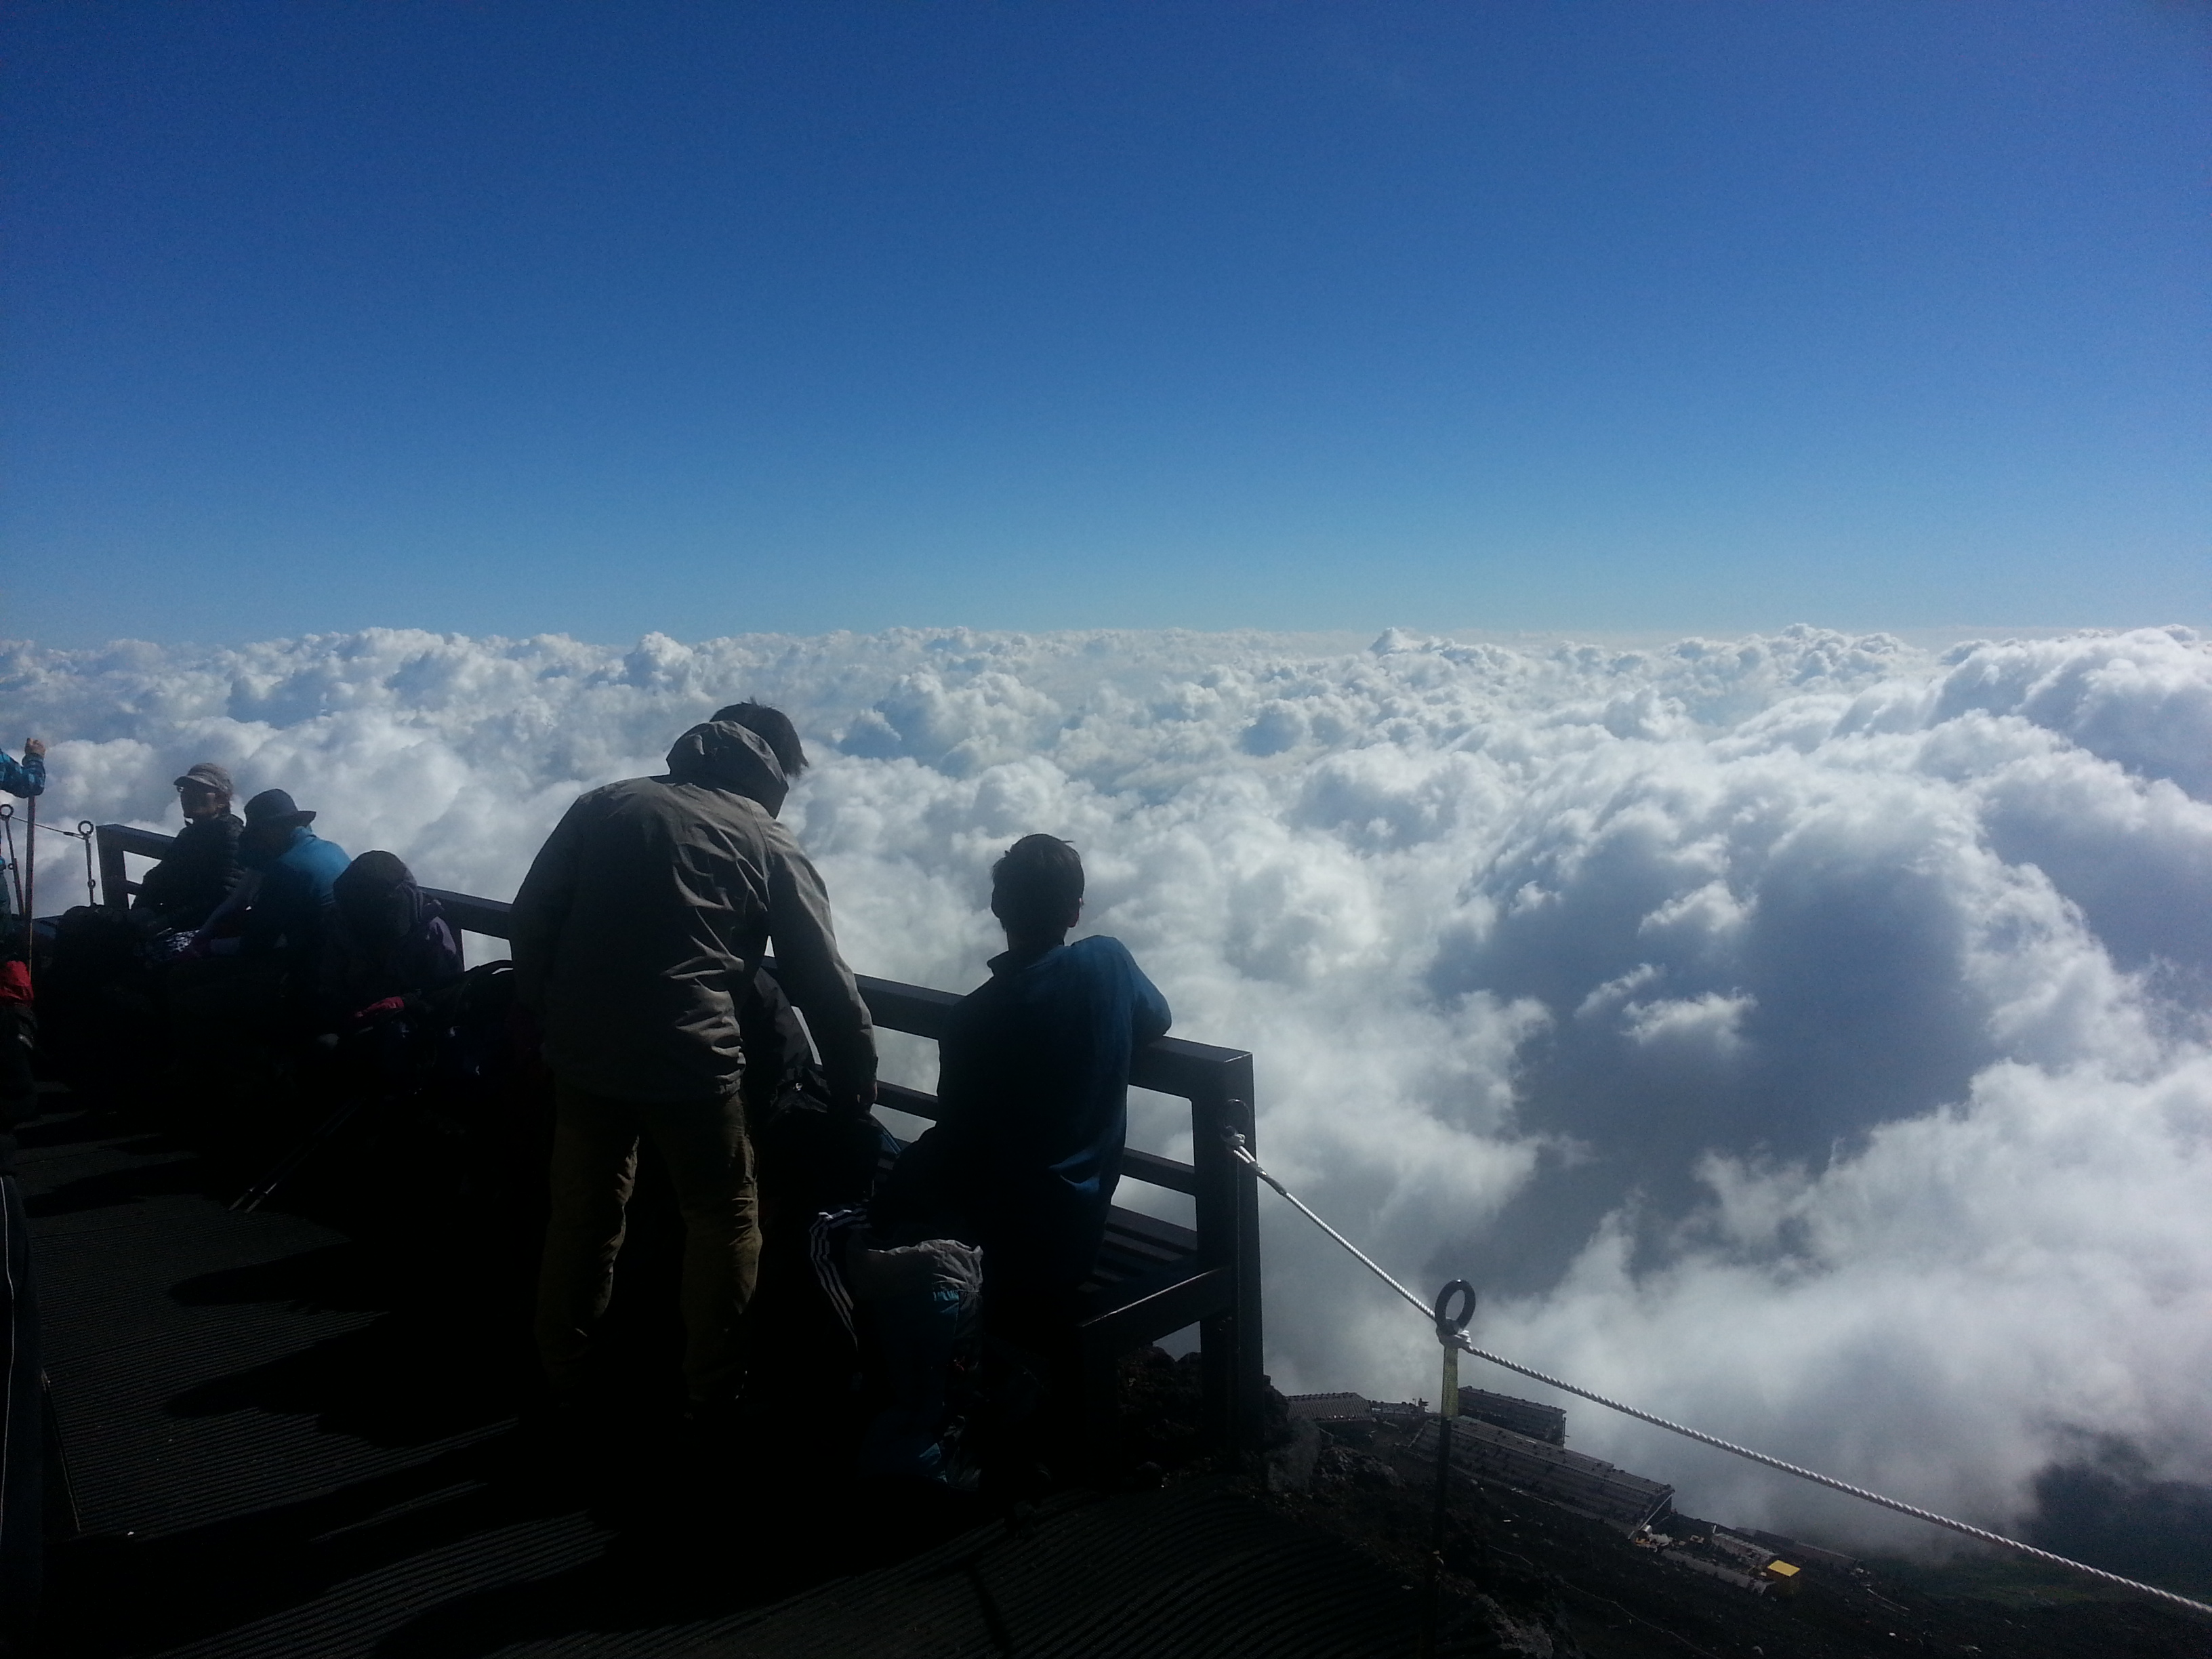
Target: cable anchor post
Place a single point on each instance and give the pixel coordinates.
(1451, 1327)
(1980, 1534)
(1454, 1312)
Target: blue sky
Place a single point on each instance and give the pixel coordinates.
(511, 317)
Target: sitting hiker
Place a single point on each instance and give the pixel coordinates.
(639, 928)
(276, 953)
(387, 946)
(1032, 1108)
(180, 893)
(291, 908)
(387, 938)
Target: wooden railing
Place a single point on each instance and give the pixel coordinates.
(1154, 1277)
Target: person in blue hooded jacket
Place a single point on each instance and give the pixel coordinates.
(1033, 1097)
(288, 899)
(298, 870)
(288, 903)
(1033, 1092)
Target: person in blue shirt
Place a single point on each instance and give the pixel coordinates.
(1033, 1087)
(287, 899)
(291, 908)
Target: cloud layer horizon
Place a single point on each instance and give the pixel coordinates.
(1803, 1036)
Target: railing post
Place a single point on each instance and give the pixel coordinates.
(1230, 1355)
(114, 879)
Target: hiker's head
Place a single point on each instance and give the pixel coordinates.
(204, 790)
(377, 895)
(773, 727)
(730, 754)
(1037, 889)
(271, 818)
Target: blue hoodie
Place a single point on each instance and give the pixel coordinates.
(1033, 1095)
(294, 902)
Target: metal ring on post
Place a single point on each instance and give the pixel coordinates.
(1451, 1332)
(1450, 1326)
(1451, 1337)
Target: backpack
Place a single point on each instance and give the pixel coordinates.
(810, 1156)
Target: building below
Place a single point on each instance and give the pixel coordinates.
(1524, 1417)
(1588, 1486)
(1519, 1446)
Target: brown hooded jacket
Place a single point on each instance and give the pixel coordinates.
(646, 913)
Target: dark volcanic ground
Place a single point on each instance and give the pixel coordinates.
(1615, 1599)
(1520, 1574)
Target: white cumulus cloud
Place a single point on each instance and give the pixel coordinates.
(1803, 1035)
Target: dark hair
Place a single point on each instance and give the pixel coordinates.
(1037, 885)
(377, 895)
(772, 726)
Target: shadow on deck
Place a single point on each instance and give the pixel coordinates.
(287, 1443)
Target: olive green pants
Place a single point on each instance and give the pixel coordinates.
(710, 1164)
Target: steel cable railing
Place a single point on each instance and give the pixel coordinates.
(1243, 1154)
(20, 887)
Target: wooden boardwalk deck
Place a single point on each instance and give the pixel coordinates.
(284, 1445)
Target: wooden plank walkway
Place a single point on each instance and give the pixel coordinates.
(1197, 1572)
(281, 1448)
(259, 1466)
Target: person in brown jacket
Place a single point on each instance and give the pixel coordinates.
(635, 936)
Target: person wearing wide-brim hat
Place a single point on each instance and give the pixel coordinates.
(297, 869)
(290, 904)
(273, 810)
(197, 872)
(267, 977)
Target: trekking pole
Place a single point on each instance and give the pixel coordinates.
(63, 1514)
(15, 870)
(293, 1161)
(84, 833)
(1450, 1327)
(31, 887)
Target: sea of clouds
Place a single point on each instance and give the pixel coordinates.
(1805, 1037)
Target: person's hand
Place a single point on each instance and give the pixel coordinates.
(195, 948)
(33, 749)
